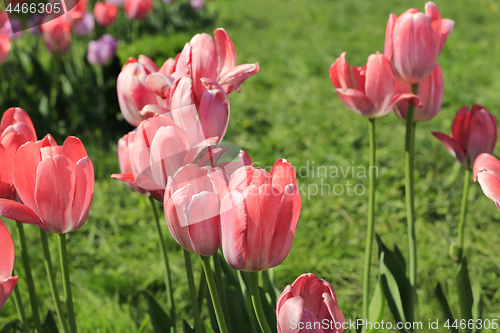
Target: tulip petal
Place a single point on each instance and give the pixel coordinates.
(6, 288)
(447, 26)
(340, 73)
(168, 67)
(486, 162)
(176, 217)
(234, 224)
(379, 84)
(149, 65)
(490, 184)
(17, 211)
(356, 101)
(17, 115)
(6, 186)
(24, 171)
(183, 65)
(452, 145)
(84, 191)
(226, 51)
(159, 83)
(204, 223)
(389, 47)
(7, 252)
(203, 62)
(74, 149)
(214, 114)
(54, 193)
(231, 80)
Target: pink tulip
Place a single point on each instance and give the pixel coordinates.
(259, 214)
(133, 93)
(7, 253)
(56, 34)
(55, 183)
(137, 9)
(472, 132)
(414, 40)
(372, 93)
(16, 129)
(124, 146)
(4, 48)
(192, 206)
(76, 10)
(105, 13)
(487, 171)
(309, 305)
(430, 92)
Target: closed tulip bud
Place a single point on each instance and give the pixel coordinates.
(105, 13)
(372, 93)
(487, 171)
(7, 253)
(137, 9)
(192, 206)
(133, 93)
(472, 132)
(259, 214)
(124, 146)
(56, 34)
(4, 48)
(414, 40)
(55, 184)
(102, 50)
(309, 305)
(430, 92)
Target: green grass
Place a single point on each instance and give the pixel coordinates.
(290, 109)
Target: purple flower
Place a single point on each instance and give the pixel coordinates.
(85, 26)
(13, 28)
(102, 50)
(197, 4)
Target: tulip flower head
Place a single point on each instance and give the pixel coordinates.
(137, 9)
(85, 26)
(307, 305)
(414, 40)
(55, 184)
(56, 34)
(102, 50)
(105, 13)
(372, 92)
(487, 171)
(124, 147)
(4, 48)
(473, 132)
(7, 281)
(259, 214)
(430, 92)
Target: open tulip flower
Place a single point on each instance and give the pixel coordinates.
(7, 281)
(16, 129)
(55, 184)
(473, 132)
(192, 206)
(414, 40)
(309, 305)
(430, 92)
(486, 170)
(372, 93)
(259, 214)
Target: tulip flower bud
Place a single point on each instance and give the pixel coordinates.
(259, 215)
(472, 132)
(414, 40)
(487, 171)
(7, 253)
(430, 92)
(55, 184)
(105, 13)
(309, 305)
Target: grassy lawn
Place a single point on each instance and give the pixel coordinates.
(290, 110)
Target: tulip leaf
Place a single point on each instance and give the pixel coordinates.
(395, 284)
(8, 327)
(477, 307)
(50, 325)
(465, 297)
(186, 328)
(207, 328)
(269, 307)
(269, 284)
(159, 319)
(400, 256)
(445, 307)
(377, 304)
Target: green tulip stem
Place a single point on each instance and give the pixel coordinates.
(257, 303)
(371, 225)
(220, 285)
(192, 292)
(52, 282)
(63, 252)
(29, 277)
(212, 288)
(164, 254)
(463, 213)
(410, 193)
(20, 309)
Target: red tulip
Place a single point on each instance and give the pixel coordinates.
(430, 92)
(75, 10)
(55, 183)
(309, 305)
(4, 47)
(372, 93)
(259, 215)
(105, 13)
(192, 208)
(414, 40)
(473, 132)
(137, 9)
(16, 129)
(124, 146)
(133, 93)
(7, 281)
(487, 171)
(56, 34)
